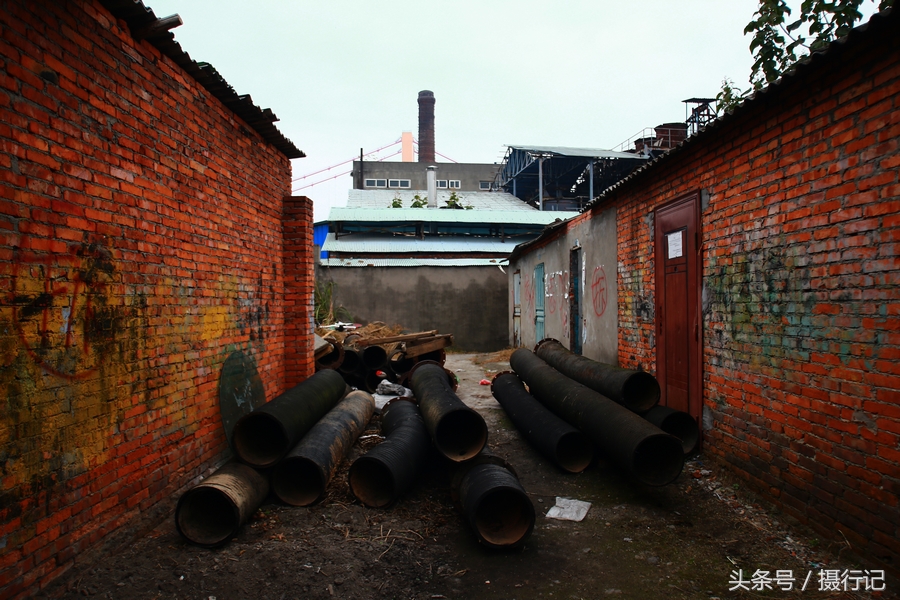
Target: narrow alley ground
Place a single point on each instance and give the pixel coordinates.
(684, 540)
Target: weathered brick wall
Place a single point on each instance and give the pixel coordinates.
(140, 245)
(299, 282)
(801, 336)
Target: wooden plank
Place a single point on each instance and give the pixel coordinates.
(396, 338)
(430, 346)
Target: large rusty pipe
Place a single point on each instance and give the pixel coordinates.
(301, 478)
(635, 390)
(458, 432)
(399, 364)
(650, 455)
(262, 437)
(494, 502)
(678, 423)
(373, 357)
(333, 359)
(211, 513)
(352, 364)
(387, 471)
(567, 447)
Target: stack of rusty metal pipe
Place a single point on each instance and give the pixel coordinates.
(291, 445)
(633, 444)
(637, 391)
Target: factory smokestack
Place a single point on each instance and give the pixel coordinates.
(426, 126)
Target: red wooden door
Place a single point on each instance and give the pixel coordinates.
(677, 264)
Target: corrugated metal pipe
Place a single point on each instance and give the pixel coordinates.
(635, 390)
(567, 447)
(387, 471)
(264, 436)
(493, 501)
(301, 477)
(644, 450)
(211, 513)
(458, 432)
(678, 423)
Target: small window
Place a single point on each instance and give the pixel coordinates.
(484, 185)
(370, 183)
(376, 183)
(454, 183)
(441, 183)
(398, 183)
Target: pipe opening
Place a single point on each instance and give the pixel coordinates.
(371, 482)
(374, 357)
(333, 359)
(207, 516)
(461, 435)
(684, 427)
(504, 517)
(352, 362)
(641, 391)
(297, 481)
(399, 364)
(658, 459)
(260, 439)
(574, 452)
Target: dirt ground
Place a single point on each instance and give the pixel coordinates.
(683, 540)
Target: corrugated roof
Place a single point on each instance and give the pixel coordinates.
(478, 200)
(412, 262)
(381, 215)
(360, 243)
(882, 22)
(567, 151)
(138, 16)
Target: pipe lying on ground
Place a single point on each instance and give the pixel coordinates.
(373, 357)
(211, 513)
(494, 502)
(650, 455)
(352, 364)
(333, 359)
(387, 471)
(301, 477)
(399, 364)
(678, 423)
(570, 449)
(458, 432)
(635, 390)
(262, 437)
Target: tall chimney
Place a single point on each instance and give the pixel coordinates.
(426, 126)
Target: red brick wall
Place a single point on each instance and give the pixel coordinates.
(140, 245)
(298, 289)
(801, 335)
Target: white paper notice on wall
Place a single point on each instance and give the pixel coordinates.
(676, 247)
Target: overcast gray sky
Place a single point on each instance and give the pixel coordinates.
(345, 74)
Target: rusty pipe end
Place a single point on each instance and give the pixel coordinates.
(545, 341)
(260, 440)
(207, 517)
(497, 507)
(658, 459)
(497, 376)
(451, 376)
(641, 392)
(298, 481)
(678, 423)
(461, 434)
(574, 452)
(372, 482)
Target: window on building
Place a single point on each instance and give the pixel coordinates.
(398, 183)
(376, 183)
(441, 183)
(484, 185)
(454, 184)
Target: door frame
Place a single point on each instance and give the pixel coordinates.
(693, 253)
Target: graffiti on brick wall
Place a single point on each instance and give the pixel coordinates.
(240, 389)
(65, 310)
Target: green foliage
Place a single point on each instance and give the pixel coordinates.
(455, 202)
(324, 311)
(729, 97)
(397, 203)
(778, 42)
(419, 202)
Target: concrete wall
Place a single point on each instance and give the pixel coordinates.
(800, 271)
(140, 248)
(596, 293)
(468, 174)
(469, 302)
